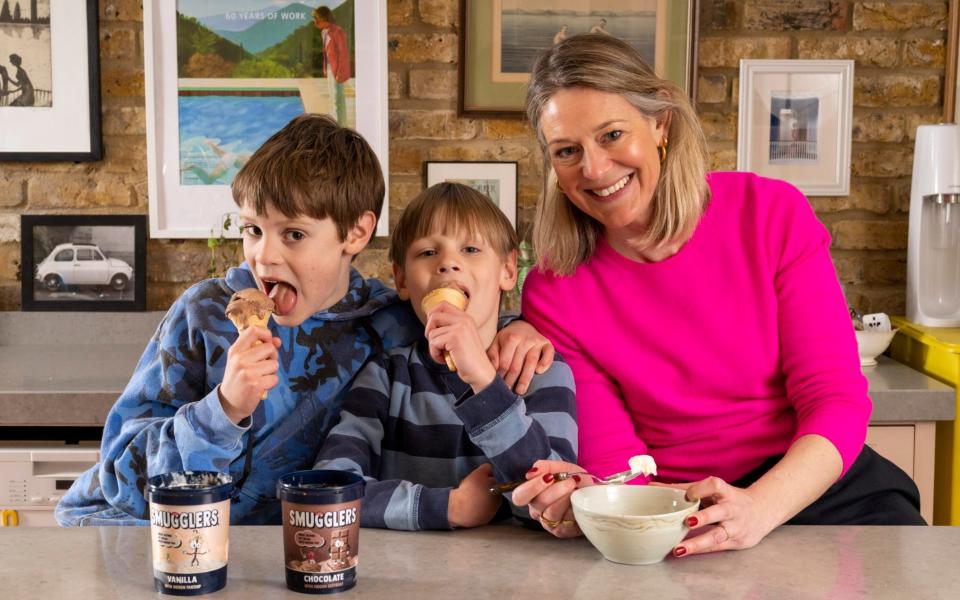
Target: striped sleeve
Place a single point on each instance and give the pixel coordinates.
(354, 445)
(514, 432)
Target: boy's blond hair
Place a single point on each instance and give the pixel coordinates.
(564, 236)
(315, 168)
(448, 207)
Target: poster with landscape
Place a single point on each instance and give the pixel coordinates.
(26, 75)
(246, 67)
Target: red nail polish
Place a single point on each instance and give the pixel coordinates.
(692, 521)
(576, 478)
(548, 478)
(679, 551)
(532, 470)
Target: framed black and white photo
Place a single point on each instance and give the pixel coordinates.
(49, 81)
(222, 76)
(496, 180)
(795, 121)
(83, 262)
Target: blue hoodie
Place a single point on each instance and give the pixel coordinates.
(169, 417)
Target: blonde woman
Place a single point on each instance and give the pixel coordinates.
(700, 313)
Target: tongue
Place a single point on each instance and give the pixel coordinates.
(285, 298)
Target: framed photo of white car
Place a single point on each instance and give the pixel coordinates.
(83, 262)
(795, 121)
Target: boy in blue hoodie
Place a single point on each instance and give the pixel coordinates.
(309, 200)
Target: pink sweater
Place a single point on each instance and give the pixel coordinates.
(718, 357)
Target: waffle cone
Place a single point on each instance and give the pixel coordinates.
(445, 294)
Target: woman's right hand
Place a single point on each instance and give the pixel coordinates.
(549, 499)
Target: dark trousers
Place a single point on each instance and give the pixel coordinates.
(873, 492)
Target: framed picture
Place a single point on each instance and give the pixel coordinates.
(795, 122)
(496, 180)
(49, 81)
(951, 88)
(71, 262)
(222, 76)
(500, 40)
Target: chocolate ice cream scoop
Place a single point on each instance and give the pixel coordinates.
(250, 307)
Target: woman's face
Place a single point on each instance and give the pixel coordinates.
(604, 152)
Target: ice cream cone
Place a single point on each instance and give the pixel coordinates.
(250, 308)
(445, 294)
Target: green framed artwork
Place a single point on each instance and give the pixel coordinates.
(500, 39)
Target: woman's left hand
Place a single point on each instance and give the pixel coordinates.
(730, 518)
(518, 352)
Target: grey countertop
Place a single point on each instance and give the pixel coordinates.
(503, 561)
(67, 369)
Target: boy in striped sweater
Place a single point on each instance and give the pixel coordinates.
(431, 442)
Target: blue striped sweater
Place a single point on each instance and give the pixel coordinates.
(414, 430)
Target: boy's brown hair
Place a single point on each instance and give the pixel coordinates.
(448, 207)
(313, 167)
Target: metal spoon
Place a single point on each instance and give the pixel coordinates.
(616, 479)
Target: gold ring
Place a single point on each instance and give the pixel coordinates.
(568, 522)
(720, 525)
(550, 523)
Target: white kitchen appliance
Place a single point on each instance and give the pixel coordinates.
(933, 246)
(32, 480)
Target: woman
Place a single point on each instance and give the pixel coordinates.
(701, 316)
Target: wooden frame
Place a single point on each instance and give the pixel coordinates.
(83, 262)
(795, 122)
(61, 118)
(193, 154)
(951, 87)
(480, 175)
(478, 75)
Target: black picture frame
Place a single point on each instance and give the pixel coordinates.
(71, 287)
(91, 148)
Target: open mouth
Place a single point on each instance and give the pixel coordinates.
(459, 286)
(612, 189)
(283, 294)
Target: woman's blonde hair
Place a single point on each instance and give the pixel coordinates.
(563, 235)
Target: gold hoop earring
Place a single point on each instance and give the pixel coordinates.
(662, 149)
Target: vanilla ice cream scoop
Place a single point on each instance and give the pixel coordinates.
(643, 463)
(445, 294)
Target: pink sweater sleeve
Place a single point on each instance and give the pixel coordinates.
(818, 347)
(601, 412)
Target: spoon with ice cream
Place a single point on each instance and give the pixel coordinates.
(641, 464)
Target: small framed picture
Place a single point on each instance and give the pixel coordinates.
(49, 81)
(89, 263)
(795, 122)
(497, 180)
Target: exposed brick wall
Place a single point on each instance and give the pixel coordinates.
(898, 46)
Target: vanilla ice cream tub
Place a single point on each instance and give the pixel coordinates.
(321, 529)
(190, 531)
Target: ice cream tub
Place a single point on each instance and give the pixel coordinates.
(190, 531)
(321, 529)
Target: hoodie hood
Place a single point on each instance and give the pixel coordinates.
(363, 297)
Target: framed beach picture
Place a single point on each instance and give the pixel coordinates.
(500, 39)
(49, 81)
(496, 180)
(795, 120)
(222, 76)
(83, 262)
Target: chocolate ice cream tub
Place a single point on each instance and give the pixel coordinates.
(321, 529)
(190, 531)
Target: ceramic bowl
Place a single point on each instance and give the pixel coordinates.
(872, 344)
(632, 524)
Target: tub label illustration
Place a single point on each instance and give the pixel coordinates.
(321, 544)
